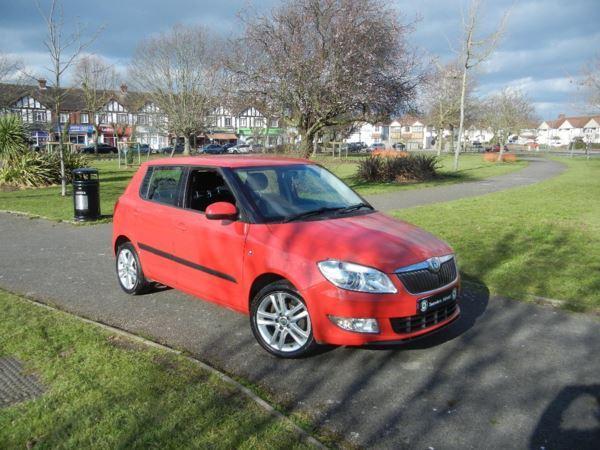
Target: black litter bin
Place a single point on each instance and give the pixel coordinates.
(86, 194)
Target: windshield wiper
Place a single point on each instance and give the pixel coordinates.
(314, 212)
(354, 208)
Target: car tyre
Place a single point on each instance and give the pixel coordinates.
(129, 270)
(279, 309)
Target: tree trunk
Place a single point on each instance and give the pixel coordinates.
(306, 144)
(501, 152)
(440, 138)
(451, 149)
(462, 118)
(186, 144)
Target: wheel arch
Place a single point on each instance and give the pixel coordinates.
(264, 280)
(120, 240)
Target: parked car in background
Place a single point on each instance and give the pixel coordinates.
(399, 146)
(144, 149)
(377, 146)
(477, 146)
(228, 145)
(240, 148)
(256, 148)
(255, 235)
(495, 148)
(213, 149)
(168, 150)
(102, 149)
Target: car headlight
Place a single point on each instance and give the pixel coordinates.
(355, 277)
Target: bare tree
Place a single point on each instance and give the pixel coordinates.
(474, 50)
(442, 98)
(97, 80)
(327, 63)
(591, 83)
(506, 113)
(63, 50)
(9, 66)
(179, 71)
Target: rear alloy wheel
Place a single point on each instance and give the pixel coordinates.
(129, 270)
(280, 321)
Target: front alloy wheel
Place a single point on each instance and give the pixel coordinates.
(280, 321)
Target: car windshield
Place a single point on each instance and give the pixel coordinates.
(298, 192)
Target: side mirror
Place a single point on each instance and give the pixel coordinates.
(221, 211)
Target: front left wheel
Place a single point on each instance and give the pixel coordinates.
(129, 270)
(281, 322)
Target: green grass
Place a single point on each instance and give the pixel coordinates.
(105, 391)
(47, 202)
(472, 167)
(541, 240)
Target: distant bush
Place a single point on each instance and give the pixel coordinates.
(506, 157)
(389, 169)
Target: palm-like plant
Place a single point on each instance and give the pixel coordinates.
(13, 138)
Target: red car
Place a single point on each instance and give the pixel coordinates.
(288, 243)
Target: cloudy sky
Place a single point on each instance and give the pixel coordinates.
(546, 43)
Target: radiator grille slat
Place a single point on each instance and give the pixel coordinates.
(424, 280)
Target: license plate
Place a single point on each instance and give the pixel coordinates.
(437, 301)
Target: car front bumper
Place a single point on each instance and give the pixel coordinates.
(397, 315)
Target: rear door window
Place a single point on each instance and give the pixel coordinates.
(163, 186)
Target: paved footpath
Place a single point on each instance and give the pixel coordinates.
(505, 375)
(538, 170)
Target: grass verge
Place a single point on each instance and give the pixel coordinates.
(106, 391)
(535, 241)
(48, 203)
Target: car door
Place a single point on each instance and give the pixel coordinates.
(210, 252)
(160, 194)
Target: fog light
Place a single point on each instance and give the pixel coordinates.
(358, 325)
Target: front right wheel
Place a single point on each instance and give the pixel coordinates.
(281, 322)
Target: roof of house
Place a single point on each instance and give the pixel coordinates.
(574, 121)
(72, 98)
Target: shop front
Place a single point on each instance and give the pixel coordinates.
(110, 136)
(265, 136)
(39, 138)
(81, 134)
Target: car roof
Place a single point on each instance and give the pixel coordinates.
(227, 161)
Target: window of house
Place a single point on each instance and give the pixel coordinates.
(102, 118)
(121, 118)
(243, 122)
(142, 119)
(64, 117)
(259, 122)
(163, 185)
(39, 116)
(274, 123)
(407, 128)
(227, 121)
(84, 118)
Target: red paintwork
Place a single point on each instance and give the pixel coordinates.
(246, 251)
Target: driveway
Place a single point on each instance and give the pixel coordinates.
(539, 169)
(505, 375)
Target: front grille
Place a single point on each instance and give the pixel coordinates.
(403, 325)
(424, 280)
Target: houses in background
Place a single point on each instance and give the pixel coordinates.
(565, 130)
(126, 116)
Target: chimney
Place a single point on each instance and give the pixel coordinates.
(561, 116)
(42, 84)
(123, 88)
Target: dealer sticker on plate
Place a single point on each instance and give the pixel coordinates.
(437, 301)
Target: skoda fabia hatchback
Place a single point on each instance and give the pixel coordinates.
(288, 243)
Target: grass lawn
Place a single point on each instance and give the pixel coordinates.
(47, 202)
(541, 240)
(105, 391)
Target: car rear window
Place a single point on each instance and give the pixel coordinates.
(162, 184)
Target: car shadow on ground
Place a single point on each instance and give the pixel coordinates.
(473, 303)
